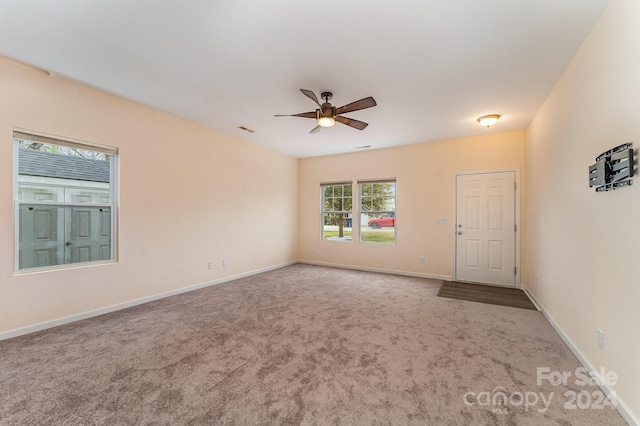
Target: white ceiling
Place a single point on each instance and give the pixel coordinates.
(432, 66)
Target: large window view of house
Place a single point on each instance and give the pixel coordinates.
(378, 211)
(337, 207)
(65, 199)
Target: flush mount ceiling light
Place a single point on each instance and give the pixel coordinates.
(488, 120)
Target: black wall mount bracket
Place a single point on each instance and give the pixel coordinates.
(613, 169)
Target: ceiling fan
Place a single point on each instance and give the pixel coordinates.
(327, 114)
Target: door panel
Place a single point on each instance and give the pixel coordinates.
(496, 207)
(89, 237)
(44, 257)
(39, 245)
(496, 255)
(485, 228)
(472, 258)
(473, 212)
(57, 235)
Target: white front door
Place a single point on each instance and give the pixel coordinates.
(486, 228)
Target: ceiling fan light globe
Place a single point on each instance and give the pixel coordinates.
(326, 121)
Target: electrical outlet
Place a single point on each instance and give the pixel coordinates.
(225, 263)
(210, 265)
(601, 339)
(422, 260)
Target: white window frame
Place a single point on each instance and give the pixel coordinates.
(112, 204)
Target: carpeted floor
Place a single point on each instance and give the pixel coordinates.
(300, 345)
(503, 296)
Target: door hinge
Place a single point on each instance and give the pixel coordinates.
(515, 270)
(515, 228)
(515, 185)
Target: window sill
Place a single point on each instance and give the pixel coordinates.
(64, 267)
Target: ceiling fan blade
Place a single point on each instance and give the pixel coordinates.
(357, 105)
(302, 114)
(315, 129)
(356, 124)
(309, 94)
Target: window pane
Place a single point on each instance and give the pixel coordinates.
(62, 174)
(337, 227)
(365, 190)
(377, 219)
(341, 199)
(54, 235)
(366, 204)
(378, 228)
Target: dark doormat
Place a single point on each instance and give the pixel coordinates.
(493, 295)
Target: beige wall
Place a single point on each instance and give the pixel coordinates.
(425, 177)
(188, 195)
(583, 247)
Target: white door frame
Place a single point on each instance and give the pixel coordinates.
(518, 284)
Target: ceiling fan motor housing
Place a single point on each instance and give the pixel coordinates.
(326, 111)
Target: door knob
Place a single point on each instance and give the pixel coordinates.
(68, 243)
(459, 232)
(459, 226)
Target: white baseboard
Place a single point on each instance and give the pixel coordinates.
(620, 405)
(384, 271)
(93, 313)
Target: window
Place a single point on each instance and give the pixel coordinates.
(64, 202)
(378, 211)
(337, 206)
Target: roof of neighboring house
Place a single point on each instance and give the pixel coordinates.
(48, 164)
